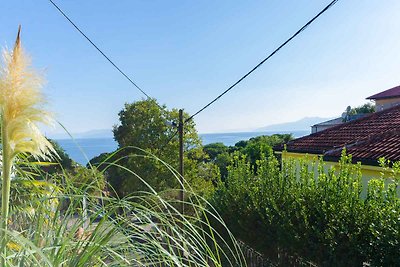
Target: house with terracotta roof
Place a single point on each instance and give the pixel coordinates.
(386, 99)
(367, 139)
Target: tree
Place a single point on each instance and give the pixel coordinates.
(145, 132)
(257, 148)
(363, 109)
(214, 149)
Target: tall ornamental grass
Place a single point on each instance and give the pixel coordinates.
(141, 230)
(53, 220)
(20, 110)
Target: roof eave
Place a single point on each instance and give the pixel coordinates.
(381, 97)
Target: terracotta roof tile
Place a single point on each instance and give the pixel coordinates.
(371, 137)
(390, 93)
(385, 145)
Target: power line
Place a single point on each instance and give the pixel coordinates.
(99, 50)
(264, 60)
(112, 63)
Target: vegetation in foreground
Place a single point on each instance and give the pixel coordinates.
(287, 210)
(67, 226)
(63, 218)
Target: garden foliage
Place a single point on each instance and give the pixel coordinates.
(312, 212)
(254, 149)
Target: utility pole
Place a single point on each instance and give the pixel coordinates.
(181, 171)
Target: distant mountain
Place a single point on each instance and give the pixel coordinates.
(100, 133)
(300, 125)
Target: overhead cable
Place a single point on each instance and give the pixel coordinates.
(99, 50)
(264, 60)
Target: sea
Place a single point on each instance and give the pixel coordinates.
(81, 150)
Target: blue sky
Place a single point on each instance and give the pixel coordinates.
(184, 53)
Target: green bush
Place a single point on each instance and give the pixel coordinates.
(307, 211)
(255, 149)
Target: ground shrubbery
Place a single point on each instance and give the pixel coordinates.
(323, 219)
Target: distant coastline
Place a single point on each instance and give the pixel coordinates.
(83, 149)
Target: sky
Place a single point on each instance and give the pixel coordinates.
(185, 53)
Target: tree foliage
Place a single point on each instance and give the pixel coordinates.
(363, 109)
(254, 149)
(149, 148)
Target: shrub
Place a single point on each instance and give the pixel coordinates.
(316, 214)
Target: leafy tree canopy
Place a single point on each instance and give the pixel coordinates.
(254, 149)
(144, 133)
(363, 109)
(214, 149)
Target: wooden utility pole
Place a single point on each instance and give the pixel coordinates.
(181, 170)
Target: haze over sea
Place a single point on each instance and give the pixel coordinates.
(82, 150)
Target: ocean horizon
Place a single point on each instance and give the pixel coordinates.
(81, 150)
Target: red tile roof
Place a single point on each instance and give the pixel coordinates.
(367, 139)
(390, 93)
(385, 145)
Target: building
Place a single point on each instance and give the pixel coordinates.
(367, 139)
(383, 100)
(386, 99)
